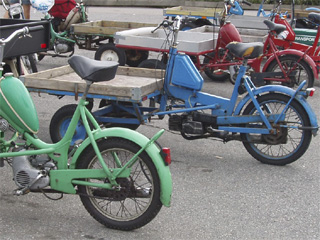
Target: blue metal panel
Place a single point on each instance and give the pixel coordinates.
(185, 74)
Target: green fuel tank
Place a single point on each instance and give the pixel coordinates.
(16, 105)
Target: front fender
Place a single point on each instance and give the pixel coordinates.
(153, 151)
(306, 57)
(284, 90)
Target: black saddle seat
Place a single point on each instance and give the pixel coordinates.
(278, 28)
(314, 17)
(93, 70)
(245, 50)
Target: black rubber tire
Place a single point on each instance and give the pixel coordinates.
(33, 63)
(40, 57)
(152, 64)
(60, 122)
(29, 63)
(109, 52)
(118, 113)
(187, 26)
(115, 209)
(281, 151)
(135, 57)
(290, 61)
(219, 77)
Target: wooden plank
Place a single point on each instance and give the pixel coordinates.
(52, 73)
(106, 27)
(141, 72)
(192, 11)
(123, 85)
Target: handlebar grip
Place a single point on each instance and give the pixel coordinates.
(248, 3)
(35, 28)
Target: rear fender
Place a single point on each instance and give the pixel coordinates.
(306, 57)
(283, 90)
(153, 151)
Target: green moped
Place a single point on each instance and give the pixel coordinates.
(121, 176)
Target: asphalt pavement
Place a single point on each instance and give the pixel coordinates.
(219, 190)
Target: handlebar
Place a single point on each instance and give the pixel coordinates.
(35, 28)
(167, 23)
(4, 4)
(20, 32)
(23, 31)
(170, 25)
(246, 2)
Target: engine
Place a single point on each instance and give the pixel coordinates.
(31, 173)
(193, 123)
(196, 125)
(63, 47)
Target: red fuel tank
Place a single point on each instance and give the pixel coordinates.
(228, 33)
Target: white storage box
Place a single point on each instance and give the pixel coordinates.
(247, 35)
(189, 42)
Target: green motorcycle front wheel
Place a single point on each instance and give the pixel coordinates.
(136, 202)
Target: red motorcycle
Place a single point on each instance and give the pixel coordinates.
(287, 41)
(288, 67)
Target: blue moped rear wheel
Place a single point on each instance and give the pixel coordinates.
(290, 142)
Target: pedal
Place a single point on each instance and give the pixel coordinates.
(222, 133)
(21, 191)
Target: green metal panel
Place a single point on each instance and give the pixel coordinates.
(62, 180)
(17, 105)
(305, 36)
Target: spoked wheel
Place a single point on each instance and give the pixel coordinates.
(138, 200)
(109, 52)
(60, 123)
(135, 57)
(290, 142)
(300, 71)
(214, 73)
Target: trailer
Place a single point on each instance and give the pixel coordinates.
(193, 43)
(98, 36)
(131, 87)
(94, 32)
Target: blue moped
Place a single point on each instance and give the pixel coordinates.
(275, 123)
(235, 6)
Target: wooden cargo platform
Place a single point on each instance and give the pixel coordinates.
(129, 83)
(105, 28)
(198, 12)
